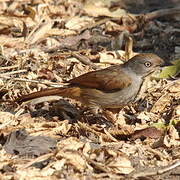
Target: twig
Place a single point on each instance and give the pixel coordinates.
(8, 67)
(161, 171)
(98, 165)
(169, 84)
(110, 136)
(38, 159)
(157, 172)
(147, 17)
(6, 124)
(34, 81)
(84, 60)
(161, 13)
(157, 153)
(13, 72)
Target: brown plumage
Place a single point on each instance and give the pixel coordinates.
(112, 87)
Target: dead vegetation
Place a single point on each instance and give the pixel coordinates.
(44, 43)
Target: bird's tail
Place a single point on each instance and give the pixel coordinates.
(70, 92)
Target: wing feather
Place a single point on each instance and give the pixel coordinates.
(112, 78)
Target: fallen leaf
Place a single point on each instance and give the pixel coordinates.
(98, 9)
(45, 73)
(121, 165)
(170, 71)
(150, 132)
(20, 143)
(38, 32)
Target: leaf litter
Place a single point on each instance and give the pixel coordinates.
(43, 44)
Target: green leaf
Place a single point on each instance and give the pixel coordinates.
(173, 122)
(169, 71)
(159, 125)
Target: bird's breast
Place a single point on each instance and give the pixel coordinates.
(114, 99)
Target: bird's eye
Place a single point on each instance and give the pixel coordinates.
(147, 64)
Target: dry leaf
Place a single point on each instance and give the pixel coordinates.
(71, 143)
(150, 132)
(77, 23)
(74, 159)
(39, 32)
(96, 10)
(121, 165)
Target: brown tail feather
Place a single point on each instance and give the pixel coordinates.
(71, 92)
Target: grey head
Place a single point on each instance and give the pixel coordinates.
(144, 64)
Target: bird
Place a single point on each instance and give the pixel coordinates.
(112, 87)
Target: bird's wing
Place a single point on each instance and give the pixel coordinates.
(108, 79)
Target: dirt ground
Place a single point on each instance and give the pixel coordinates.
(44, 43)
